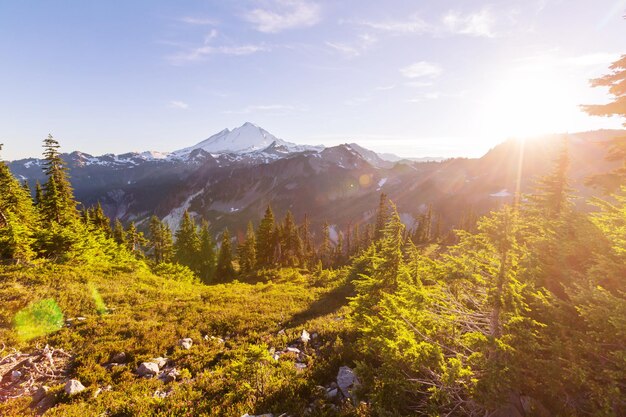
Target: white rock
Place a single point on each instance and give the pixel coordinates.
(15, 375)
(185, 343)
(300, 365)
(292, 350)
(347, 381)
(161, 362)
(73, 386)
(305, 337)
(148, 369)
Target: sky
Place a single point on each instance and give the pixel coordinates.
(415, 78)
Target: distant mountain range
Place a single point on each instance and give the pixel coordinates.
(233, 175)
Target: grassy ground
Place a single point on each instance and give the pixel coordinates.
(145, 315)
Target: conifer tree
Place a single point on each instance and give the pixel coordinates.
(382, 216)
(18, 218)
(187, 244)
(207, 253)
(265, 240)
(38, 194)
(160, 240)
(100, 220)
(247, 251)
(291, 243)
(134, 240)
(325, 251)
(225, 271)
(553, 193)
(119, 235)
(58, 204)
(612, 181)
(307, 243)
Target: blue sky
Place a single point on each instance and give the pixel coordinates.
(417, 78)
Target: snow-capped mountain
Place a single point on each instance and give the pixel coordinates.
(244, 139)
(231, 177)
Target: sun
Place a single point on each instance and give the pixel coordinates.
(527, 102)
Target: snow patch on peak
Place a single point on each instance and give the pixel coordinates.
(246, 138)
(502, 193)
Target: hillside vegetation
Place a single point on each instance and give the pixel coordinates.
(523, 313)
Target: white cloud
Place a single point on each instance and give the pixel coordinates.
(419, 84)
(352, 50)
(478, 24)
(413, 24)
(421, 69)
(177, 104)
(286, 14)
(198, 21)
(202, 52)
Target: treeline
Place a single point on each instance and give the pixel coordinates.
(49, 226)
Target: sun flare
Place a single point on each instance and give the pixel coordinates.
(528, 102)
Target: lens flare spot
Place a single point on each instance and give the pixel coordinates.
(38, 319)
(97, 298)
(365, 180)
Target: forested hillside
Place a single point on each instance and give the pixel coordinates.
(521, 312)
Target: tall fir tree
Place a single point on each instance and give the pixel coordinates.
(160, 240)
(247, 251)
(119, 234)
(225, 271)
(58, 204)
(18, 218)
(187, 244)
(206, 254)
(382, 216)
(265, 240)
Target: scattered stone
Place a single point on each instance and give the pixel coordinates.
(109, 366)
(277, 355)
(73, 386)
(332, 393)
(15, 375)
(118, 358)
(347, 381)
(292, 350)
(81, 318)
(40, 393)
(185, 343)
(96, 393)
(305, 337)
(300, 365)
(161, 362)
(314, 335)
(148, 369)
(169, 375)
(48, 401)
(160, 394)
(281, 332)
